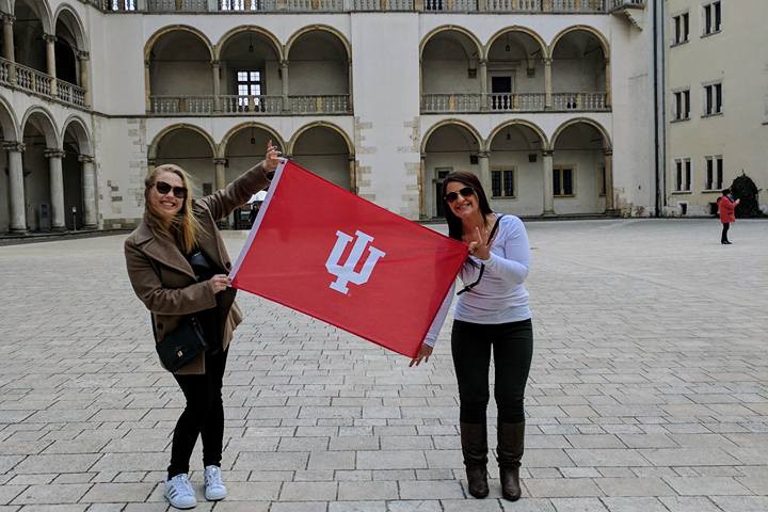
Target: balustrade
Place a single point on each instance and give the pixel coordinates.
(175, 105)
(585, 101)
(177, 5)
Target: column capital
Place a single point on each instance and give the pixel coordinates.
(151, 161)
(608, 151)
(284, 63)
(8, 19)
(483, 62)
(85, 159)
(83, 55)
(547, 61)
(13, 146)
(147, 63)
(215, 63)
(219, 161)
(53, 153)
(483, 154)
(351, 158)
(547, 152)
(49, 38)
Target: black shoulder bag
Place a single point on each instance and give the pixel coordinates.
(182, 345)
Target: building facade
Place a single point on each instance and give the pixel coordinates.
(552, 103)
(717, 100)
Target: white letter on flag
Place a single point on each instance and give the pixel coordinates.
(346, 273)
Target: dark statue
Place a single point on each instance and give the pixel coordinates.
(745, 189)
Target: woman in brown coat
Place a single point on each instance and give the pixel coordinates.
(177, 264)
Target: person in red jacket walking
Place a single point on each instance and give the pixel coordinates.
(727, 207)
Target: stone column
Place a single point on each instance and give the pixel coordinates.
(50, 53)
(423, 187)
(89, 191)
(609, 206)
(608, 89)
(54, 157)
(352, 174)
(8, 52)
(221, 172)
(147, 91)
(16, 182)
(484, 159)
(85, 73)
(548, 83)
(549, 194)
(484, 99)
(284, 82)
(216, 67)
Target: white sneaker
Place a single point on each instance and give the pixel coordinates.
(179, 492)
(214, 486)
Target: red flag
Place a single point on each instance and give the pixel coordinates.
(322, 250)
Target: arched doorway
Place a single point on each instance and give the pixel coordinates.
(318, 62)
(449, 147)
(516, 167)
(79, 177)
(450, 80)
(323, 150)
(29, 34)
(579, 72)
(580, 174)
(43, 189)
(516, 72)
(250, 78)
(180, 76)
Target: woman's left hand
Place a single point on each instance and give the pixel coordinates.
(272, 159)
(479, 245)
(424, 352)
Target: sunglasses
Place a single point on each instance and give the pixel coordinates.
(163, 188)
(465, 192)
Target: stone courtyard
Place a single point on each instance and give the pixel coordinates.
(648, 390)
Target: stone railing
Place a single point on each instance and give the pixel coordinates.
(175, 105)
(382, 5)
(522, 102)
(328, 104)
(427, 6)
(512, 102)
(459, 102)
(619, 4)
(583, 101)
(249, 105)
(70, 93)
(252, 105)
(32, 80)
(177, 5)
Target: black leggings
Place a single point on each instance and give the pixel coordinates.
(204, 414)
(512, 351)
(724, 236)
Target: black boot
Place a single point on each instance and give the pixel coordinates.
(474, 446)
(511, 438)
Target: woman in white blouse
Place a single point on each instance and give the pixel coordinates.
(492, 314)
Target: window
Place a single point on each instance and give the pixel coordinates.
(683, 175)
(248, 84)
(240, 5)
(503, 183)
(712, 18)
(714, 173)
(562, 181)
(681, 28)
(682, 105)
(713, 99)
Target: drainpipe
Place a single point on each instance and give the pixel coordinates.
(660, 109)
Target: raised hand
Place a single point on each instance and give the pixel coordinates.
(272, 159)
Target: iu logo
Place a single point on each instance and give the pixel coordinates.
(346, 273)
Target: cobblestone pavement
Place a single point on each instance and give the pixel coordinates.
(648, 392)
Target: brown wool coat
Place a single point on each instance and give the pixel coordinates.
(163, 279)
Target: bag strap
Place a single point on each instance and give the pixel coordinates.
(495, 227)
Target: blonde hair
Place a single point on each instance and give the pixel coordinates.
(183, 228)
